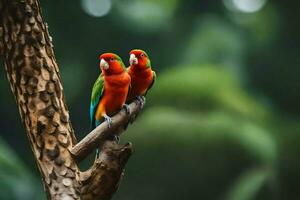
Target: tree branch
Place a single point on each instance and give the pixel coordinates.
(102, 179)
(91, 141)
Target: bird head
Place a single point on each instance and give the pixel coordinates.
(111, 63)
(139, 58)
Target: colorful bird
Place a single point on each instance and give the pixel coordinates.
(110, 90)
(142, 76)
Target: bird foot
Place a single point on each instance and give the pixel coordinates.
(117, 139)
(114, 138)
(127, 109)
(97, 154)
(109, 120)
(141, 101)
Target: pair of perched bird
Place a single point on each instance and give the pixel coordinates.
(117, 85)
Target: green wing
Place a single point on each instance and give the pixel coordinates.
(153, 80)
(97, 94)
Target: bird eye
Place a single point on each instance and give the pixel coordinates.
(142, 55)
(112, 59)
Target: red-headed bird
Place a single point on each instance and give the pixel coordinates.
(110, 90)
(142, 76)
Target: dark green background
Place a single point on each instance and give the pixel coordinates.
(222, 120)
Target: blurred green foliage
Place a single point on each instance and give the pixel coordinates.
(205, 87)
(204, 131)
(222, 120)
(16, 181)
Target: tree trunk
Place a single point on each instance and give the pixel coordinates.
(35, 81)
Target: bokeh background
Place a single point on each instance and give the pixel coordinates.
(222, 120)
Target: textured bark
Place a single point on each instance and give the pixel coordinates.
(35, 81)
(102, 180)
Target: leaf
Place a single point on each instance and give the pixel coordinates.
(249, 184)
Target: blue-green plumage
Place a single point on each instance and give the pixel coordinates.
(97, 94)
